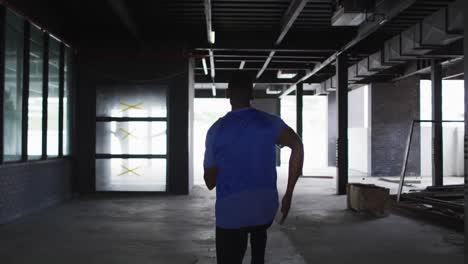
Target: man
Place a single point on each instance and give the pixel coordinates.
(240, 161)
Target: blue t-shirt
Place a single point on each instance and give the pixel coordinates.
(242, 145)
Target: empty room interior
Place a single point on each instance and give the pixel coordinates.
(105, 107)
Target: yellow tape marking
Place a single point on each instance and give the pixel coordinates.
(131, 106)
(128, 171)
(127, 134)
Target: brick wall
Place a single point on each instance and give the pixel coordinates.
(30, 187)
(394, 106)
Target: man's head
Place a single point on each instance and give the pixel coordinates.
(240, 88)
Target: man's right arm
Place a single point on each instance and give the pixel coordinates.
(290, 139)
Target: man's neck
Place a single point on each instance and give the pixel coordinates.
(239, 106)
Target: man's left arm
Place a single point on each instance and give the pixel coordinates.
(210, 177)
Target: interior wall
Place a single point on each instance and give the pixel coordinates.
(358, 130)
(97, 69)
(394, 107)
(30, 187)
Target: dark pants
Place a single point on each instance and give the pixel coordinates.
(231, 244)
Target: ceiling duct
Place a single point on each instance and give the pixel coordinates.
(352, 12)
(363, 68)
(322, 90)
(420, 39)
(392, 51)
(434, 30)
(455, 20)
(376, 62)
(353, 73)
(440, 29)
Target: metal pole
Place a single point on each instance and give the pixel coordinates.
(2, 77)
(25, 106)
(45, 94)
(405, 162)
(299, 107)
(437, 147)
(466, 131)
(342, 142)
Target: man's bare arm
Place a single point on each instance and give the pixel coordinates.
(210, 177)
(290, 139)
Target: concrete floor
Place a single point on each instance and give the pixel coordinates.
(179, 229)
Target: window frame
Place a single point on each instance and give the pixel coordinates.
(63, 47)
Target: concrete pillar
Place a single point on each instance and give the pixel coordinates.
(342, 142)
(437, 143)
(179, 145)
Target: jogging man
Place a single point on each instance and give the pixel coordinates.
(240, 161)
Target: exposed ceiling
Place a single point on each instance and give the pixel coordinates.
(263, 36)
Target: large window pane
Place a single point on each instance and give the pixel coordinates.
(131, 175)
(53, 99)
(13, 87)
(35, 94)
(66, 102)
(134, 101)
(131, 138)
(453, 106)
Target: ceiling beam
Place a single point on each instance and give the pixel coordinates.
(291, 14)
(390, 8)
(209, 26)
(212, 65)
(121, 10)
(256, 68)
(269, 49)
(265, 64)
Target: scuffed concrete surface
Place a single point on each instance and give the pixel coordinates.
(126, 229)
(143, 229)
(323, 231)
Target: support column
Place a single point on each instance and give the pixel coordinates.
(299, 103)
(342, 141)
(466, 130)
(437, 145)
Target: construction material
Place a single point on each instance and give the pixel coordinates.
(445, 203)
(368, 198)
(407, 183)
(408, 147)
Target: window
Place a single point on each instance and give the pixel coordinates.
(131, 138)
(36, 60)
(13, 87)
(53, 99)
(32, 67)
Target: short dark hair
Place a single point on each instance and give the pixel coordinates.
(241, 82)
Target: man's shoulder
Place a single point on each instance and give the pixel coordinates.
(215, 126)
